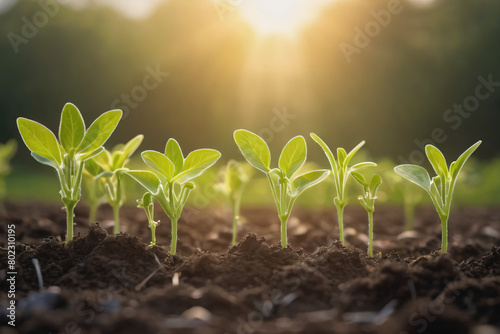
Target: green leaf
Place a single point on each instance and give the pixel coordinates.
(437, 160)
(375, 184)
(89, 155)
(99, 131)
(362, 165)
(147, 179)
(159, 162)
(353, 152)
(8, 150)
(127, 151)
(196, 162)
(103, 159)
(415, 174)
(71, 128)
(293, 156)
(146, 201)
(274, 178)
(39, 139)
(326, 149)
(174, 153)
(44, 161)
(307, 180)
(105, 174)
(341, 156)
(93, 167)
(254, 149)
(457, 166)
(359, 178)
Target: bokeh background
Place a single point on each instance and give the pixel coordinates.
(385, 71)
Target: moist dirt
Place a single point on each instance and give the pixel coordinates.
(105, 283)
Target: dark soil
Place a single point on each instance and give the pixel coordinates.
(104, 283)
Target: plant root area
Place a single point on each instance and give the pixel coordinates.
(105, 283)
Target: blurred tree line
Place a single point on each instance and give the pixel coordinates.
(183, 73)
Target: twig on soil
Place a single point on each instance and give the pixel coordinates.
(141, 285)
(38, 273)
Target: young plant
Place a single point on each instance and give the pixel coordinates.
(285, 185)
(440, 188)
(341, 171)
(368, 202)
(236, 179)
(68, 155)
(169, 182)
(147, 203)
(107, 168)
(7, 151)
(411, 198)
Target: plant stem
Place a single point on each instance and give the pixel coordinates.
(173, 244)
(444, 237)
(153, 235)
(340, 212)
(284, 219)
(116, 215)
(409, 216)
(70, 214)
(370, 233)
(236, 215)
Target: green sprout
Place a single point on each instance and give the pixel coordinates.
(68, 155)
(367, 200)
(147, 203)
(7, 151)
(168, 182)
(107, 168)
(440, 188)
(236, 179)
(411, 197)
(341, 171)
(285, 186)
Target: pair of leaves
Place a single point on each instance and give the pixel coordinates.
(114, 160)
(369, 188)
(420, 176)
(292, 158)
(171, 167)
(343, 157)
(256, 152)
(73, 138)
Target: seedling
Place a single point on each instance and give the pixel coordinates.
(147, 203)
(440, 188)
(168, 182)
(7, 151)
(367, 200)
(285, 185)
(411, 197)
(108, 168)
(68, 155)
(236, 179)
(341, 171)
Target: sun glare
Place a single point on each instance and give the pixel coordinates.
(277, 17)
